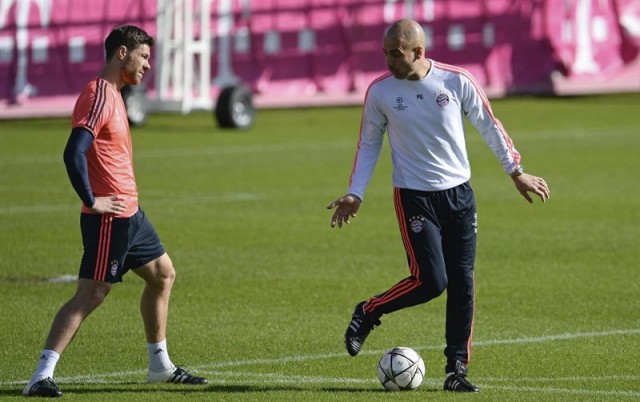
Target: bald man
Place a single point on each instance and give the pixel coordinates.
(420, 103)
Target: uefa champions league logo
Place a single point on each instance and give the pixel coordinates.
(400, 104)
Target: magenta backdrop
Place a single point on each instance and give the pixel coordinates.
(330, 49)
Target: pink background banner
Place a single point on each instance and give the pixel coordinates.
(328, 51)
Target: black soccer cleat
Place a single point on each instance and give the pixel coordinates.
(457, 380)
(359, 327)
(45, 388)
(176, 376)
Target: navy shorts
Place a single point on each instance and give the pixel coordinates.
(113, 245)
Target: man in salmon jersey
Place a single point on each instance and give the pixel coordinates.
(116, 234)
(420, 104)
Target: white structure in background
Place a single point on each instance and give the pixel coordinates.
(226, 77)
(183, 65)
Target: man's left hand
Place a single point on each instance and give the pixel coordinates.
(526, 183)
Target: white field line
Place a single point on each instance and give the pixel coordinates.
(555, 135)
(222, 377)
(575, 391)
(217, 150)
(195, 199)
(226, 377)
(316, 146)
(558, 337)
(564, 379)
(102, 378)
(269, 378)
(548, 338)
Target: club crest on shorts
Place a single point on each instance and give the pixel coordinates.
(416, 223)
(114, 267)
(442, 97)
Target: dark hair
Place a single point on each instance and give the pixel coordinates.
(129, 36)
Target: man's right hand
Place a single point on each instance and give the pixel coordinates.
(346, 207)
(112, 204)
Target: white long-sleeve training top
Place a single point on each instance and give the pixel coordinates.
(424, 122)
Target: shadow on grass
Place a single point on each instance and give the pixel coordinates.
(185, 389)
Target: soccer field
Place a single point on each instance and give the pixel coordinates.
(265, 288)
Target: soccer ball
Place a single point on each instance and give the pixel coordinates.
(401, 369)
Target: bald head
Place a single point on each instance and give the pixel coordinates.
(403, 46)
(407, 32)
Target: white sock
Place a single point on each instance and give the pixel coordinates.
(46, 366)
(159, 357)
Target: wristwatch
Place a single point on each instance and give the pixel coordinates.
(517, 171)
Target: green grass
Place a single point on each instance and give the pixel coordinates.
(265, 288)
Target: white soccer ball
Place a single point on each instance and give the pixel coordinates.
(401, 369)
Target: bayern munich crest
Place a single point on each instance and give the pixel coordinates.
(114, 267)
(416, 223)
(442, 98)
